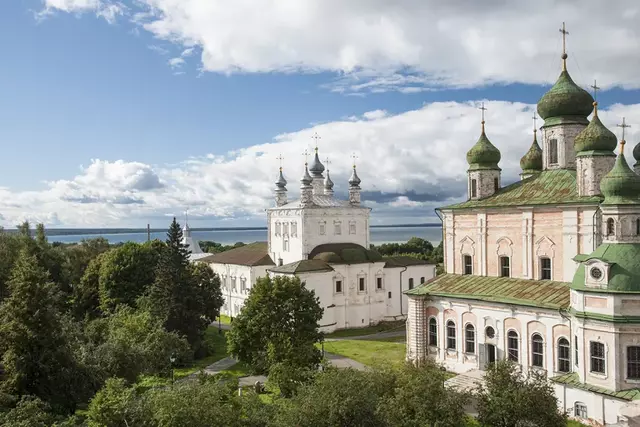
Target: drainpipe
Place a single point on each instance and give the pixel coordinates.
(403, 270)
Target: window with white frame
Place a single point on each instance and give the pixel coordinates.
(553, 151)
(596, 353)
(361, 284)
(513, 346)
(233, 284)
(223, 281)
(469, 339)
(285, 245)
(467, 260)
(243, 284)
(378, 282)
(611, 227)
(322, 228)
(294, 229)
(433, 332)
(278, 228)
(580, 410)
(575, 348)
(633, 362)
(352, 227)
(411, 283)
(545, 268)
(338, 286)
(337, 228)
(505, 268)
(451, 335)
(474, 186)
(285, 228)
(564, 355)
(537, 351)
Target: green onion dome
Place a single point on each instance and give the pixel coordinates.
(621, 186)
(565, 100)
(532, 161)
(595, 137)
(483, 155)
(636, 153)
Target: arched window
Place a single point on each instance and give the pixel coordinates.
(433, 332)
(580, 410)
(451, 335)
(537, 351)
(474, 190)
(505, 269)
(611, 230)
(512, 346)
(564, 358)
(468, 264)
(633, 362)
(469, 339)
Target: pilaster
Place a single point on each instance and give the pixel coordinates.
(527, 244)
(569, 243)
(482, 244)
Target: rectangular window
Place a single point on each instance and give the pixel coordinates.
(411, 283)
(545, 268)
(537, 351)
(505, 271)
(564, 355)
(496, 185)
(597, 357)
(379, 282)
(294, 229)
(337, 229)
(322, 229)
(338, 286)
(278, 229)
(243, 284)
(468, 264)
(361, 284)
(576, 348)
(285, 245)
(580, 410)
(470, 340)
(633, 362)
(451, 335)
(421, 280)
(433, 332)
(352, 228)
(233, 284)
(285, 228)
(389, 294)
(553, 151)
(474, 190)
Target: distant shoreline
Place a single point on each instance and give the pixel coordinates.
(103, 231)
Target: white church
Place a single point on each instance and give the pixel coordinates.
(545, 271)
(324, 241)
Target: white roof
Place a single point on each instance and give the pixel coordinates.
(323, 201)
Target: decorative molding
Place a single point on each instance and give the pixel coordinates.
(504, 247)
(467, 246)
(545, 247)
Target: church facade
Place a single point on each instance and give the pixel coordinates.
(545, 271)
(324, 241)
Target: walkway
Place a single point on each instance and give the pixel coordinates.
(379, 335)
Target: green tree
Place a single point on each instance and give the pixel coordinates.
(29, 412)
(36, 357)
(9, 249)
(337, 398)
(86, 293)
(509, 399)
(278, 324)
(80, 255)
(125, 274)
(209, 284)
(184, 300)
(117, 405)
(420, 399)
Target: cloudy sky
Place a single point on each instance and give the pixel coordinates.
(123, 113)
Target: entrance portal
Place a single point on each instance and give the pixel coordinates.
(491, 354)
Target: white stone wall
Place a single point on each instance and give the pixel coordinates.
(589, 172)
(601, 410)
(566, 135)
(485, 182)
(625, 222)
(234, 296)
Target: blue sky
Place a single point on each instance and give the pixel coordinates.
(88, 101)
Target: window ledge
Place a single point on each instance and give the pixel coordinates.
(598, 375)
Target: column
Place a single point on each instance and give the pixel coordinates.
(527, 244)
(569, 243)
(482, 243)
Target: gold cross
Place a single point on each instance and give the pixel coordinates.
(315, 137)
(623, 126)
(281, 159)
(327, 162)
(354, 157)
(595, 90)
(565, 33)
(305, 154)
(535, 119)
(482, 107)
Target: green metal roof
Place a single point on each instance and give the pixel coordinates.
(531, 162)
(483, 155)
(621, 186)
(595, 137)
(624, 275)
(344, 253)
(534, 293)
(565, 99)
(304, 266)
(253, 254)
(572, 379)
(403, 261)
(552, 187)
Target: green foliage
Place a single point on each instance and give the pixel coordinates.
(130, 343)
(36, 356)
(415, 247)
(509, 399)
(278, 324)
(116, 405)
(214, 247)
(125, 274)
(420, 399)
(29, 412)
(86, 294)
(183, 296)
(78, 257)
(10, 245)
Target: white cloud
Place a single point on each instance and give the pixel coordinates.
(409, 164)
(106, 9)
(176, 62)
(407, 45)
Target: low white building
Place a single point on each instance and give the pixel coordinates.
(325, 242)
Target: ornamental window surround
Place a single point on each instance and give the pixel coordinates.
(285, 228)
(278, 228)
(233, 284)
(467, 262)
(294, 229)
(337, 228)
(545, 268)
(337, 286)
(322, 228)
(243, 284)
(352, 227)
(362, 284)
(379, 283)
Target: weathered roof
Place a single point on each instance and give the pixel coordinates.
(621, 186)
(303, 266)
(483, 155)
(323, 201)
(565, 100)
(344, 253)
(552, 187)
(252, 254)
(624, 275)
(534, 293)
(572, 379)
(403, 261)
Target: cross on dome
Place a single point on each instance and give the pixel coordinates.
(535, 119)
(623, 126)
(316, 137)
(565, 33)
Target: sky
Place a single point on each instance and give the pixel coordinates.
(126, 113)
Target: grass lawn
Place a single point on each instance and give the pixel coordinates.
(370, 353)
(225, 319)
(380, 327)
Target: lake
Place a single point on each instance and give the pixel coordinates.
(379, 235)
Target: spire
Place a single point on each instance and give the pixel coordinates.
(316, 168)
(328, 184)
(186, 230)
(621, 186)
(483, 155)
(281, 183)
(564, 56)
(354, 180)
(531, 162)
(306, 179)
